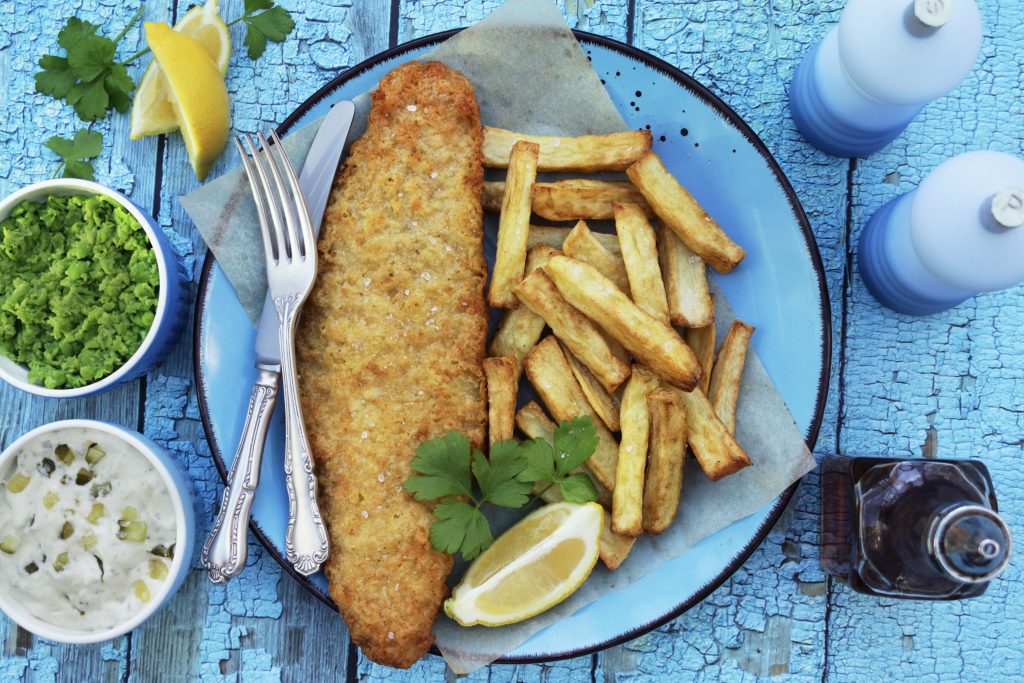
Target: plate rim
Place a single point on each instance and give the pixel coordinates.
(719, 106)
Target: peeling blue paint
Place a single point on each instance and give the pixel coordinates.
(957, 374)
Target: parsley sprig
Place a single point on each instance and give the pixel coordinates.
(447, 467)
(264, 21)
(88, 77)
(76, 152)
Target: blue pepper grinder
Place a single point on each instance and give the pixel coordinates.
(961, 232)
(870, 76)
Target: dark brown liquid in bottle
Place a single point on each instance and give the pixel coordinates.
(925, 529)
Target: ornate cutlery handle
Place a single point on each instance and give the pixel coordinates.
(227, 545)
(306, 544)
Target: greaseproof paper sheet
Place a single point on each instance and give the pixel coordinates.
(531, 75)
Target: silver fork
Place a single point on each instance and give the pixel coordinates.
(290, 249)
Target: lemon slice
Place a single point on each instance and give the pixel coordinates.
(196, 91)
(530, 568)
(152, 112)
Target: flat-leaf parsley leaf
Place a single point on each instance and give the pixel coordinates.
(445, 470)
(265, 21)
(86, 144)
(88, 77)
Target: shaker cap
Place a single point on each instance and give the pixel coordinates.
(971, 543)
(961, 218)
(897, 57)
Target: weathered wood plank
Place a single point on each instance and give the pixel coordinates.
(946, 385)
(419, 18)
(768, 619)
(256, 628)
(29, 120)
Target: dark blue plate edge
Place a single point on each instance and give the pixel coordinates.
(723, 109)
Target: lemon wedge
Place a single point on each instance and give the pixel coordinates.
(152, 113)
(196, 91)
(530, 568)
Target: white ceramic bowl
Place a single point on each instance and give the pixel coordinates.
(172, 303)
(185, 533)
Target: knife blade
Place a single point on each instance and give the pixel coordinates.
(316, 179)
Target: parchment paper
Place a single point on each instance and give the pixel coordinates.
(561, 94)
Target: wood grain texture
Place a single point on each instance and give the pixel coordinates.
(947, 385)
(944, 385)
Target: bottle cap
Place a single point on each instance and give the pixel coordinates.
(896, 57)
(1008, 207)
(971, 543)
(957, 226)
(934, 13)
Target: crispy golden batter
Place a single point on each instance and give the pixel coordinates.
(391, 346)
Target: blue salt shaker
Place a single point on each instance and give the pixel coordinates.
(961, 232)
(859, 88)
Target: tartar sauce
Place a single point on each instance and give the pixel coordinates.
(87, 529)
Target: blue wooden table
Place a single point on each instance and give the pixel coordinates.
(946, 385)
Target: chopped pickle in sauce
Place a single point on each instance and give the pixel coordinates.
(96, 513)
(163, 551)
(10, 544)
(157, 570)
(141, 590)
(94, 454)
(133, 531)
(87, 525)
(17, 483)
(61, 562)
(64, 453)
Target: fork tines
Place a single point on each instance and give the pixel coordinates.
(292, 235)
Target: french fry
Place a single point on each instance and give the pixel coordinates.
(716, 450)
(502, 376)
(586, 153)
(701, 341)
(677, 207)
(513, 226)
(520, 328)
(728, 372)
(581, 244)
(551, 376)
(538, 293)
(653, 342)
(532, 421)
(640, 256)
(570, 200)
(686, 282)
(628, 495)
(614, 547)
(555, 237)
(665, 456)
(604, 404)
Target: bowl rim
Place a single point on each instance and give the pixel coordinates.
(181, 502)
(88, 187)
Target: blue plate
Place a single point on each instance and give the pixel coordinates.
(779, 288)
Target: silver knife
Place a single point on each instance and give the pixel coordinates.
(226, 547)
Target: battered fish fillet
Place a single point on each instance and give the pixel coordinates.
(391, 346)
